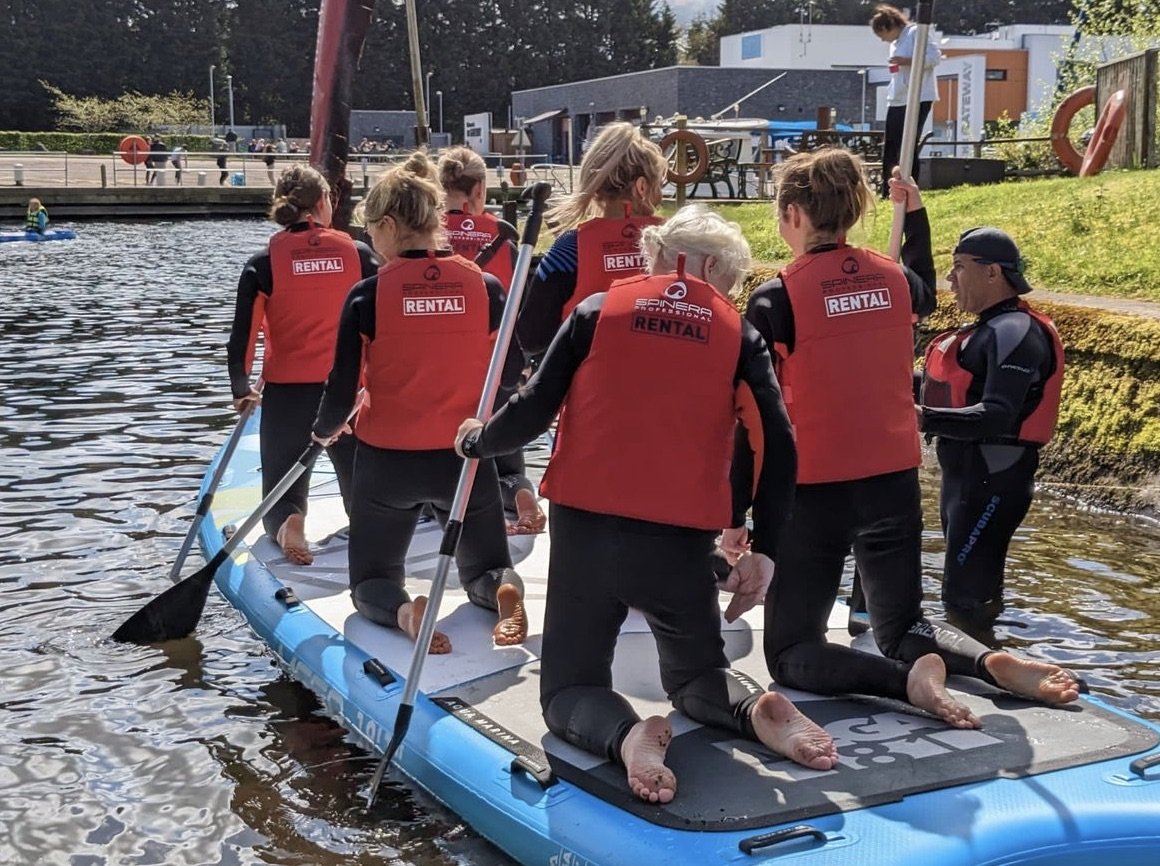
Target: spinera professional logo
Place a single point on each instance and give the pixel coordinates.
(468, 225)
(327, 265)
(677, 290)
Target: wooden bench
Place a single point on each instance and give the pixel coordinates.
(723, 156)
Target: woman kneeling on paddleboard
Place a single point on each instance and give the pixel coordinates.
(292, 293)
(420, 333)
(656, 373)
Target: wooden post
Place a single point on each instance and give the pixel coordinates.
(104, 178)
(680, 122)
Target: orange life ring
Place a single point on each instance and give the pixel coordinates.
(1112, 117)
(1071, 158)
(518, 175)
(134, 149)
(700, 154)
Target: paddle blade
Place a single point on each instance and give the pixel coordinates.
(402, 723)
(173, 614)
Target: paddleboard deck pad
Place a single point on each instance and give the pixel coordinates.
(1068, 785)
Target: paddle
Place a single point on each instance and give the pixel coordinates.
(507, 232)
(923, 15)
(175, 613)
(206, 502)
(539, 194)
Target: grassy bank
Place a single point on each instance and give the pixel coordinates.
(1092, 236)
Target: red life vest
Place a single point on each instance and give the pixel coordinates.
(313, 271)
(648, 428)
(469, 233)
(945, 383)
(607, 249)
(424, 369)
(848, 384)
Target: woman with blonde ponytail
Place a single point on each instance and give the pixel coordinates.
(839, 321)
(599, 226)
(292, 293)
(419, 335)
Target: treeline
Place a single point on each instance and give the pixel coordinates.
(477, 50)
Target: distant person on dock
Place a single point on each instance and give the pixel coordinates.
(891, 25)
(177, 160)
(419, 334)
(598, 230)
(839, 319)
(292, 294)
(36, 220)
(636, 527)
(155, 161)
(219, 146)
(470, 228)
(990, 394)
(268, 158)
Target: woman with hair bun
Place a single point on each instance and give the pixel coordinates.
(292, 293)
(419, 334)
(470, 228)
(599, 225)
(839, 320)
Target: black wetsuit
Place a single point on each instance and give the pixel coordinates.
(602, 564)
(881, 518)
(988, 477)
(393, 486)
(288, 410)
(551, 287)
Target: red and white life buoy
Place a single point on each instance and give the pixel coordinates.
(1071, 158)
(1112, 117)
(134, 149)
(696, 155)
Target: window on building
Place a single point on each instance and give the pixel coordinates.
(751, 46)
(996, 74)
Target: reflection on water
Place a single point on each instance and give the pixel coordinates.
(115, 397)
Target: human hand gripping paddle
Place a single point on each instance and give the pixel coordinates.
(175, 613)
(203, 507)
(539, 194)
(923, 15)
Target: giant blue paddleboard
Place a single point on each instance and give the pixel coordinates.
(37, 237)
(1037, 785)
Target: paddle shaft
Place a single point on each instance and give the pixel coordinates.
(451, 533)
(219, 471)
(923, 15)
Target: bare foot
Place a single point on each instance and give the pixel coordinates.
(1039, 681)
(926, 688)
(530, 518)
(410, 621)
(292, 539)
(783, 728)
(643, 752)
(512, 627)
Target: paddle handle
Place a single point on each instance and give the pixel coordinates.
(206, 502)
(923, 14)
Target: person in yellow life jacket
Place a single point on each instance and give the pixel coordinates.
(839, 320)
(36, 219)
(990, 394)
(292, 293)
(598, 230)
(640, 485)
(470, 230)
(419, 335)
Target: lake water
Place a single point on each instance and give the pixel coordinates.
(204, 751)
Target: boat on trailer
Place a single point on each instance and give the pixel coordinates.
(1071, 785)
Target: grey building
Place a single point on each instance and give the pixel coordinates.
(696, 91)
(397, 127)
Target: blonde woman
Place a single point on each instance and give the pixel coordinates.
(635, 527)
(599, 226)
(292, 293)
(420, 332)
(839, 319)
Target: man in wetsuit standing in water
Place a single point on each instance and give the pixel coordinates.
(990, 395)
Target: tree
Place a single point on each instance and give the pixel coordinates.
(702, 42)
(270, 51)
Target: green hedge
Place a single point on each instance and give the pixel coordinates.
(88, 142)
(1106, 449)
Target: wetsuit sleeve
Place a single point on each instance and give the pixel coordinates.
(1017, 357)
(918, 262)
(514, 362)
(550, 289)
(765, 457)
(769, 311)
(528, 413)
(368, 261)
(254, 286)
(356, 326)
